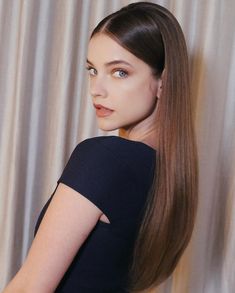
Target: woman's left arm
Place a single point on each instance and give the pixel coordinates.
(68, 221)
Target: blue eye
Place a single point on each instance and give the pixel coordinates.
(92, 71)
(120, 73)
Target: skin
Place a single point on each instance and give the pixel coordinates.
(51, 253)
(124, 83)
(129, 89)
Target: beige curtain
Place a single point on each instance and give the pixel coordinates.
(45, 111)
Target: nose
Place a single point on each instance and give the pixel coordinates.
(97, 87)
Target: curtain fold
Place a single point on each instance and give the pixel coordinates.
(45, 110)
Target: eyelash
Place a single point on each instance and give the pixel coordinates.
(89, 68)
(122, 71)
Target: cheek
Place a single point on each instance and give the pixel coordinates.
(137, 95)
(137, 105)
(143, 85)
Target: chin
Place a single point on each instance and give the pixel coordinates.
(107, 127)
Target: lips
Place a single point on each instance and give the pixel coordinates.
(102, 111)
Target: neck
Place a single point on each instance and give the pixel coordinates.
(148, 137)
(145, 131)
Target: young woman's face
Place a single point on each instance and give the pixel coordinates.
(122, 86)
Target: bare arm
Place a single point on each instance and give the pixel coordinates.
(68, 221)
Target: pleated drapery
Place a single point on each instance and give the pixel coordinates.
(45, 110)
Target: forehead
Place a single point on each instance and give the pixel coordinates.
(103, 49)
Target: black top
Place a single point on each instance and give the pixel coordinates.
(115, 174)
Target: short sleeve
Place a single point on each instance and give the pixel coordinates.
(94, 171)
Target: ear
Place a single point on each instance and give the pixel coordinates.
(160, 85)
(159, 88)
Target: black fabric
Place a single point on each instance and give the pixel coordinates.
(115, 174)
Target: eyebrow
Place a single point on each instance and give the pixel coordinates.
(114, 62)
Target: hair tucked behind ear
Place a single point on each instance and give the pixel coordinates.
(152, 33)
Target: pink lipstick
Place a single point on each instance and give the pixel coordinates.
(102, 111)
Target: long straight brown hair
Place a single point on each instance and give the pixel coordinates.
(151, 33)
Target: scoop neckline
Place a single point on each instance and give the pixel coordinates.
(134, 141)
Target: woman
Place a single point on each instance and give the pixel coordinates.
(124, 208)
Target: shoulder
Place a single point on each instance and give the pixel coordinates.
(114, 146)
(98, 171)
(98, 148)
(114, 152)
(108, 170)
(105, 142)
(97, 157)
(111, 156)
